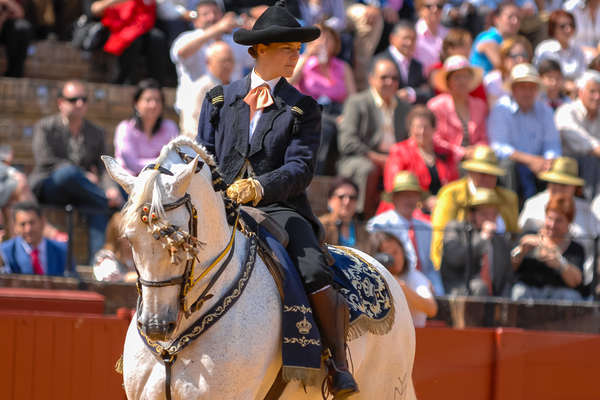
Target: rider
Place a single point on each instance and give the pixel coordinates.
(265, 135)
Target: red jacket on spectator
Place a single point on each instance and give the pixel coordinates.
(405, 156)
(127, 21)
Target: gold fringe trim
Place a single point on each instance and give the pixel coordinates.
(119, 365)
(307, 376)
(365, 324)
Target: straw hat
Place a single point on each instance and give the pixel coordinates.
(404, 181)
(484, 197)
(524, 72)
(453, 64)
(565, 171)
(484, 161)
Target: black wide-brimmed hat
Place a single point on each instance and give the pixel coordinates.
(276, 24)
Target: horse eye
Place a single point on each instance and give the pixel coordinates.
(199, 166)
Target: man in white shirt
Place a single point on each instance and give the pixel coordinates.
(219, 63)
(414, 234)
(188, 52)
(579, 125)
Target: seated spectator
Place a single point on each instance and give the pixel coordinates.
(132, 34)
(329, 80)
(14, 188)
(341, 227)
(417, 155)
(173, 17)
(513, 51)
(487, 268)
(56, 17)
(563, 179)
(453, 199)
(365, 19)
(401, 51)
(219, 67)
(114, 262)
(522, 132)
(460, 117)
(553, 82)
(579, 125)
(414, 234)
(560, 47)
(549, 264)
(416, 287)
(15, 34)
(29, 252)
(372, 121)
(68, 168)
(139, 140)
(457, 42)
(188, 52)
(587, 35)
(330, 13)
(485, 53)
(430, 32)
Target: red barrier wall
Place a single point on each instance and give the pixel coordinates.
(60, 356)
(64, 301)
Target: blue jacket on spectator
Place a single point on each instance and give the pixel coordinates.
(18, 261)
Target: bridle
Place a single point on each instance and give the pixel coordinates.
(175, 240)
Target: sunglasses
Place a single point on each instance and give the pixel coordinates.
(519, 55)
(567, 25)
(352, 197)
(434, 6)
(76, 98)
(391, 77)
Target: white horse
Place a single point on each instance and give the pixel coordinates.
(240, 355)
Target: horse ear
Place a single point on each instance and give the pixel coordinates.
(184, 178)
(118, 173)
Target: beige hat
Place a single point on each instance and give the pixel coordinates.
(484, 197)
(484, 161)
(524, 72)
(404, 181)
(452, 64)
(564, 171)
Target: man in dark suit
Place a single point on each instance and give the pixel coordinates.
(67, 149)
(29, 252)
(413, 84)
(372, 121)
(265, 136)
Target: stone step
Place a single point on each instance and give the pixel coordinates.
(51, 59)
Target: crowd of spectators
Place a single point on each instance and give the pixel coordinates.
(467, 130)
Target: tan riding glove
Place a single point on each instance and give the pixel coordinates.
(245, 190)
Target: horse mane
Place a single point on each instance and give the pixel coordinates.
(152, 192)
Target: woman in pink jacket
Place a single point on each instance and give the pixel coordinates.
(460, 117)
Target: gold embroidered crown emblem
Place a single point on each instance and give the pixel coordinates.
(303, 326)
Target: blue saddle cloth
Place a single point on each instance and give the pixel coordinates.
(369, 300)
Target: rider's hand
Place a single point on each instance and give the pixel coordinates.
(245, 190)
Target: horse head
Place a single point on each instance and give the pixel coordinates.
(160, 221)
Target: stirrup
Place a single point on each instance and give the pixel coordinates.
(340, 382)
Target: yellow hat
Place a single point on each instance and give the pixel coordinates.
(524, 72)
(564, 171)
(483, 161)
(404, 181)
(484, 197)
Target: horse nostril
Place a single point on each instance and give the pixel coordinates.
(171, 326)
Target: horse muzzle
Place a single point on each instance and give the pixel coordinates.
(157, 330)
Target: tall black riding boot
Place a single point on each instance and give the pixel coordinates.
(331, 313)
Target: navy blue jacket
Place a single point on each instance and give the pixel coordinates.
(282, 158)
(18, 261)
